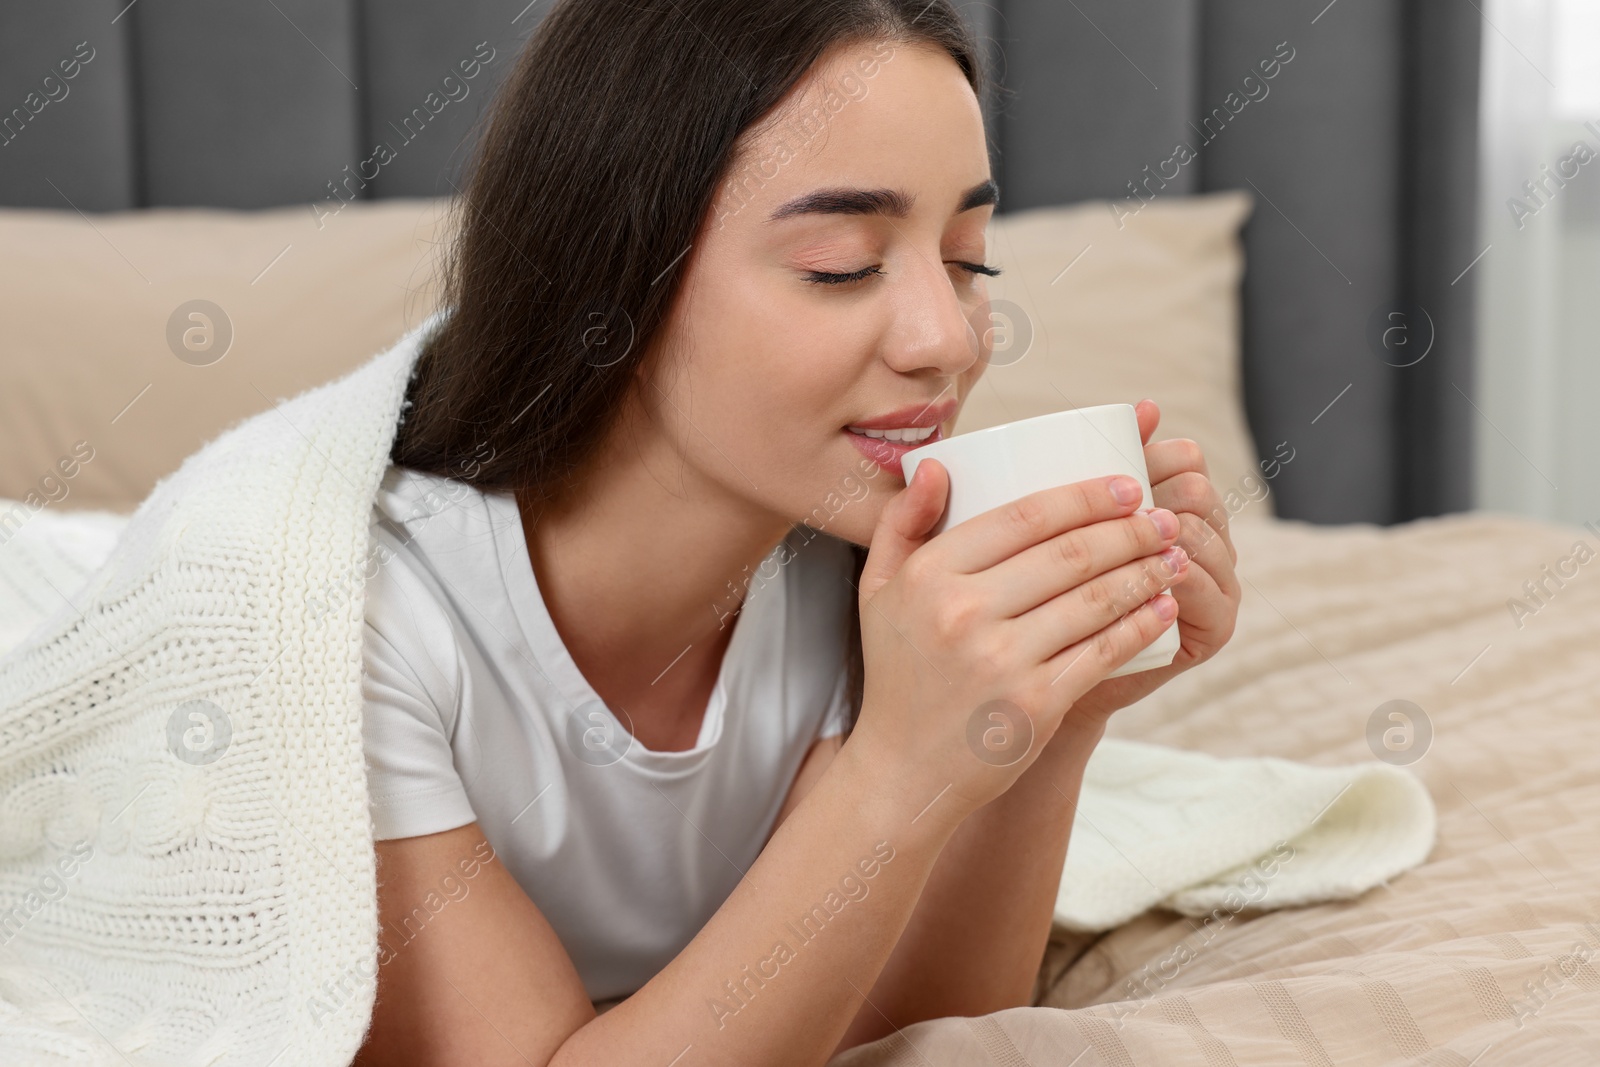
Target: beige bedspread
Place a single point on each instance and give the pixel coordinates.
(1487, 954)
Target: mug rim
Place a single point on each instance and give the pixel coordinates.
(1015, 423)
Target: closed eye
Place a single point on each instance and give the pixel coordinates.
(822, 278)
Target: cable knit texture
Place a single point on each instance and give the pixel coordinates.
(186, 859)
(1159, 826)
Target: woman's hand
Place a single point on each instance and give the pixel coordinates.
(1208, 599)
(978, 641)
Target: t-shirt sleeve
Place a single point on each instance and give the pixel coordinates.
(412, 783)
(837, 716)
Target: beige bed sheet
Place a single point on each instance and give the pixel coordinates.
(1487, 954)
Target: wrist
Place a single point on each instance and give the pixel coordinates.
(879, 788)
(1081, 730)
(1051, 785)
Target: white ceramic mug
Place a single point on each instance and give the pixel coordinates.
(994, 466)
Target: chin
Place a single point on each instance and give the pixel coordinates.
(855, 522)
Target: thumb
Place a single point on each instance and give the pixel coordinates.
(904, 524)
(1149, 415)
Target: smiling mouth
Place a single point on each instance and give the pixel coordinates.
(886, 437)
(915, 435)
(886, 448)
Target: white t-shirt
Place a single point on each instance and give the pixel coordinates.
(474, 710)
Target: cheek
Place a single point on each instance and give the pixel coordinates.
(778, 392)
(981, 340)
(784, 354)
(765, 376)
(779, 363)
(965, 385)
(761, 411)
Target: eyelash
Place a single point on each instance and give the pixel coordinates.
(841, 279)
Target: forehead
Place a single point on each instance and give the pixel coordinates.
(873, 114)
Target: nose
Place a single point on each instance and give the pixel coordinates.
(931, 332)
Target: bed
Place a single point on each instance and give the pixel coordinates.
(1486, 953)
(1465, 648)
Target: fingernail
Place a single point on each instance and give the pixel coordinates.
(1166, 522)
(1166, 606)
(1126, 489)
(1176, 559)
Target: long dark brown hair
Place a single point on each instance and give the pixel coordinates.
(597, 164)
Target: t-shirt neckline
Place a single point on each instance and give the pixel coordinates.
(539, 632)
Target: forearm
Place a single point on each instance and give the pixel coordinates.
(777, 973)
(975, 941)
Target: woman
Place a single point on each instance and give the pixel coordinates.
(645, 719)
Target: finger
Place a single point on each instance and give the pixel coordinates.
(1148, 415)
(1067, 560)
(904, 524)
(1182, 459)
(1192, 493)
(1209, 550)
(1207, 613)
(1000, 533)
(1084, 665)
(1164, 459)
(1080, 613)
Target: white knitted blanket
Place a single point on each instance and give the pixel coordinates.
(186, 858)
(186, 861)
(1158, 826)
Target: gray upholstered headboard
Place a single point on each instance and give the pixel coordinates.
(1360, 151)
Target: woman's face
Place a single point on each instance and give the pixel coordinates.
(764, 363)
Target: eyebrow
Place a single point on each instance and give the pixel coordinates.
(893, 202)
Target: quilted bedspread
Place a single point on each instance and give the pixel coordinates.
(1466, 648)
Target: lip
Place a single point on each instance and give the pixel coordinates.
(888, 454)
(930, 413)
